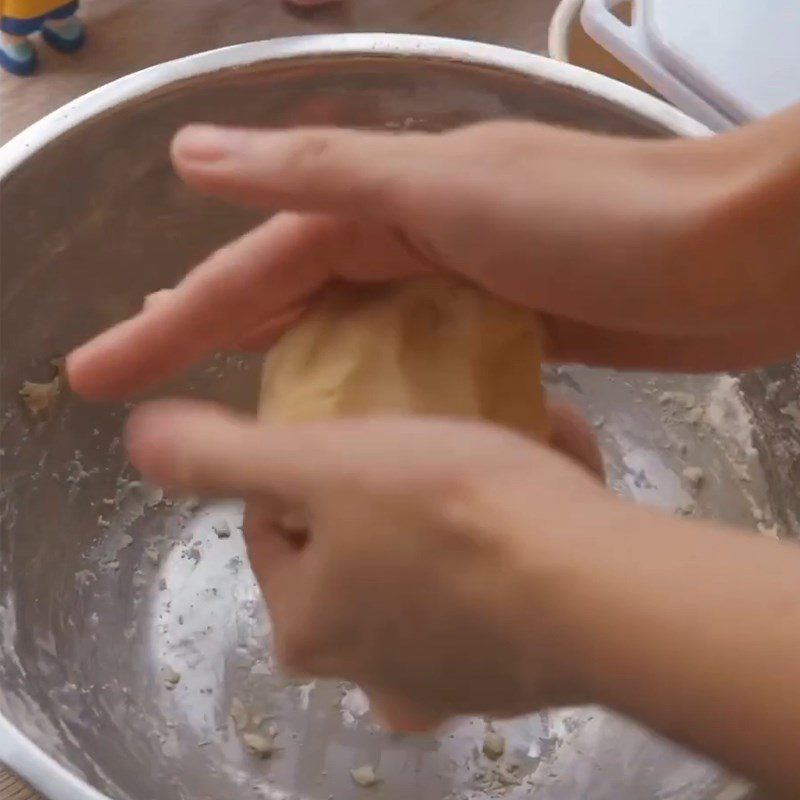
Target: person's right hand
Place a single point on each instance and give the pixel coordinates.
(628, 248)
(451, 566)
(422, 558)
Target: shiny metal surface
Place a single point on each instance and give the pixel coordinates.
(110, 593)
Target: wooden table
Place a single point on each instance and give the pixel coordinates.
(128, 35)
(11, 788)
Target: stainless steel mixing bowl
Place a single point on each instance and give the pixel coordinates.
(131, 626)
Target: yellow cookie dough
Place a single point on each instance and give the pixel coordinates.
(426, 346)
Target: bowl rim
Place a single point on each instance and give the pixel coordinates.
(376, 45)
(17, 751)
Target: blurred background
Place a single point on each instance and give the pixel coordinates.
(128, 35)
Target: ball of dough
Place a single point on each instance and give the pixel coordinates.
(434, 346)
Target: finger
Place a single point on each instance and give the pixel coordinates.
(574, 436)
(346, 172)
(263, 276)
(595, 346)
(198, 447)
(258, 340)
(238, 289)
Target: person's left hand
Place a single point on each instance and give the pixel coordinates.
(420, 558)
(523, 210)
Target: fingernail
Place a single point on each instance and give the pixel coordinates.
(205, 143)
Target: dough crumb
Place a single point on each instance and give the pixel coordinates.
(152, 495)
(365, 776)
(85, 577)
(687, 509)
(259, 745)
(792, 410)
(684, 399)
(239, 714)
(682, 407)
(770, 531)
(694, 415)
(773, 389)
(223, 530)
(695, 476)
(170, 677)
(494, 745)
(260, 719)
(39, 398)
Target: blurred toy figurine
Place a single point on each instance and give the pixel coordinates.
(56, 21)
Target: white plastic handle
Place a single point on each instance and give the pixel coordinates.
(630, 45)
(565, 16)
(603, 25)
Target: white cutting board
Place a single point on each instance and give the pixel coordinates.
(743, 56)
(723, 62)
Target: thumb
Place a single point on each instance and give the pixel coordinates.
(347, 172)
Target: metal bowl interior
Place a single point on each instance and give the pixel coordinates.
(110, 593)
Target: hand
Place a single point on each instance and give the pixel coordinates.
(629, 248)
(454, 567)
(434, 555)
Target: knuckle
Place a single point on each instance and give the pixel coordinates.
(308, 152)
(214, 264)
(323, 159)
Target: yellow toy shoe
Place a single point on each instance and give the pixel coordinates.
(19, 19)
